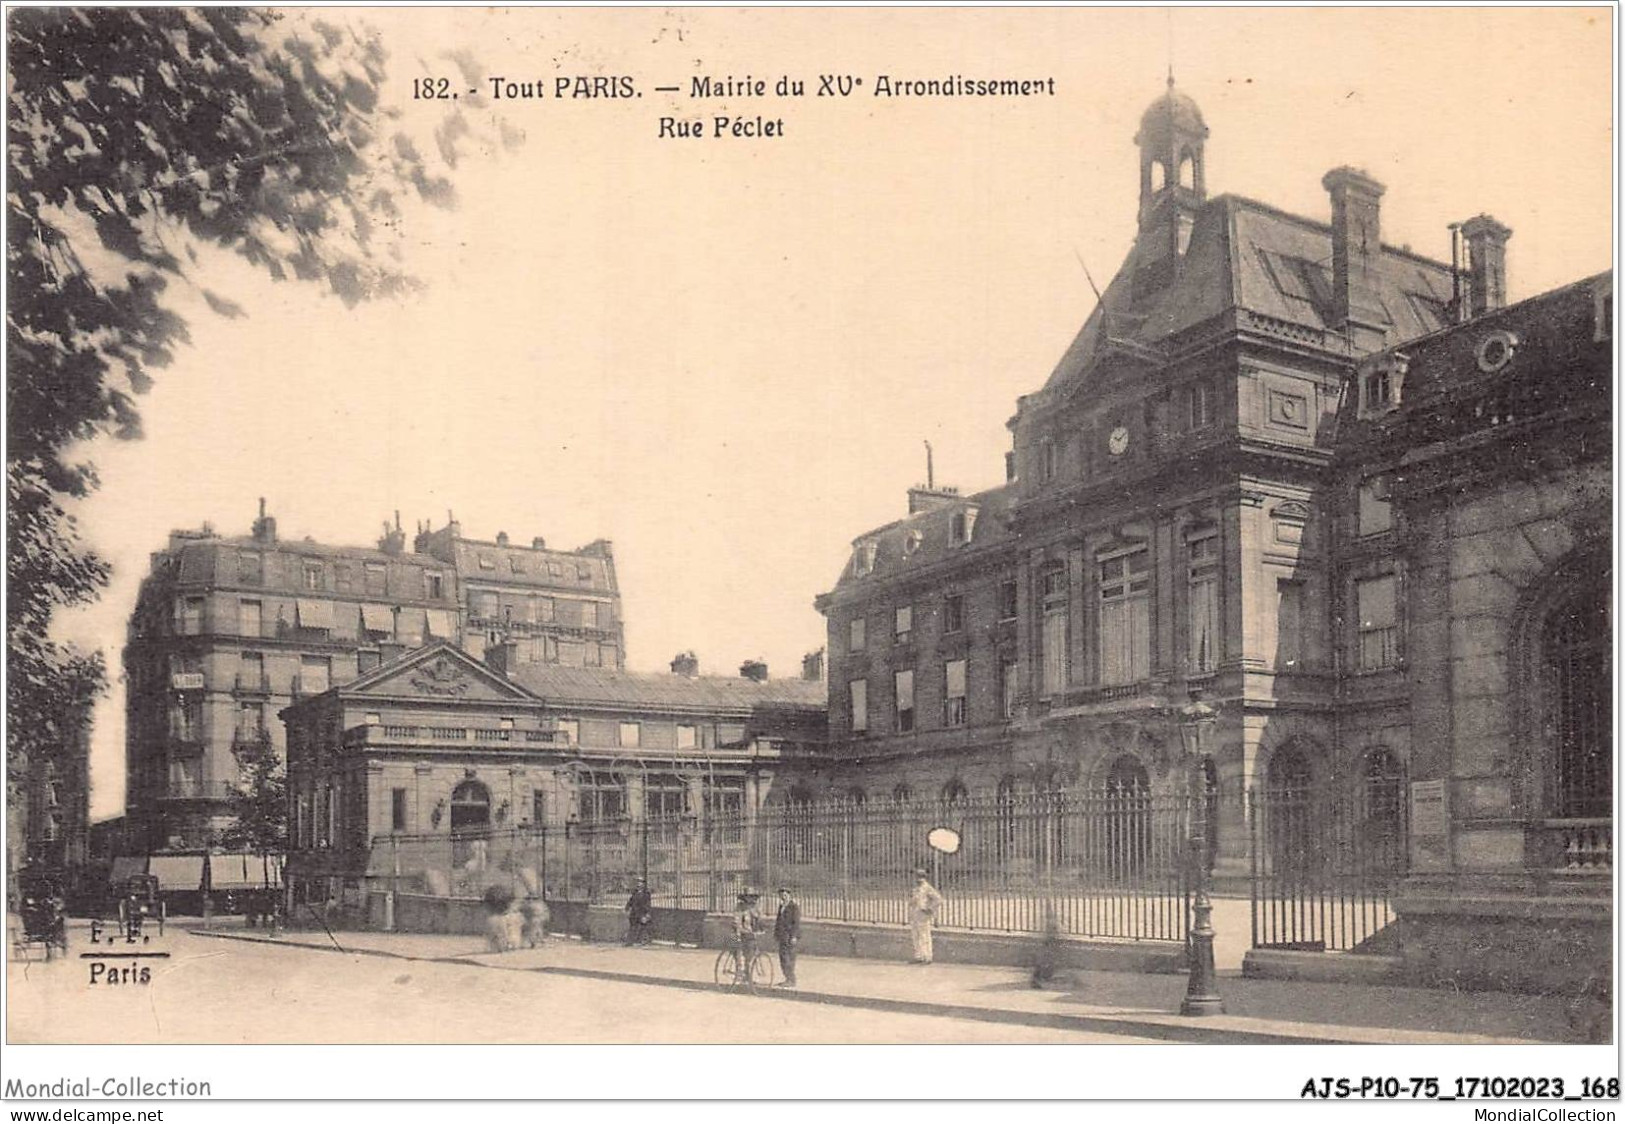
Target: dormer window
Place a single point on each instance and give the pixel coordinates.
(863, 559)
(1382, 384)
(912, 541)
(962, 526)
(1049, 461)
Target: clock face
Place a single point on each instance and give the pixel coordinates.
(1117, 443)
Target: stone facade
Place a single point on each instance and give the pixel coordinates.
(437, 745)
(1343, 506)
(227, 630)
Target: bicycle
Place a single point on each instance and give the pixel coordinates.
(732, 970)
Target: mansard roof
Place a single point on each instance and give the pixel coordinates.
(717, 694)
(1247, 257)
(1545, 356)
(920, 541)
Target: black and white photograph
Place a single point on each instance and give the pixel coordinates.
(914, 537)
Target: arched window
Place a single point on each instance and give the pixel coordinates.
(1575, 657)
(902, 794)
(1187, 171)
(601, 797)
(1289, 770)
(1381, 828)
(470, 807)
(955, 793)
(1159, 175)
(1128, 817)
(1290, 815)
(1004, 805)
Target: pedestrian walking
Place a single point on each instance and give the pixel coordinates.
(923, 903)
(639, 913)
(787, 932)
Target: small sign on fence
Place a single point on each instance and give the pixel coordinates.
(1430, 826)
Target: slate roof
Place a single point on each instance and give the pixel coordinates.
(1244, 254)
(653, 691)
(468, 555)
(894, 556)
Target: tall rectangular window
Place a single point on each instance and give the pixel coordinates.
(192, 616)
(544, 610)
(1125, 618)
(1008, 686)
(397, 809)
(903, 623)
(434, 586)
(1007, 601)
(1204, 603)
(903, 684)
(1376, 513)
(1198, 405)
(1378, 632)
(859, 689)
(1288, 625)
(250, 568)
(953, 696)
(856, 630)
(376, 577)
(569, 729)
(687, 736)
(1052, 629)
(250, 618)
(251, 672)
(631, 735)
(314, 674)
(953, 613)
(313, 575)
(250, 720)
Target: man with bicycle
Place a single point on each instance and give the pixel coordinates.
(747, 923)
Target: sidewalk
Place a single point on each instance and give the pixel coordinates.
(1257, 1011)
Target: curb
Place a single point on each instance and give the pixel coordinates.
(1097, 1024)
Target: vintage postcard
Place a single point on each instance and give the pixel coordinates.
(616, 527)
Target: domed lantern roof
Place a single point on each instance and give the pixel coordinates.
(1172, 115)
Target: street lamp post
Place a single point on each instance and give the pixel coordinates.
(1201, 993)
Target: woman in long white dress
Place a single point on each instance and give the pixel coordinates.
(923, 903)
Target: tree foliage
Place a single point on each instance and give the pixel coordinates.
(258, 805)
(137, 135)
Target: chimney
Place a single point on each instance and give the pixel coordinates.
(929, 498)
(502, 538)
(394, 540)
(686, 664)
(421, 540)
(1486, 264)
(538, 543)
(755, 670)
(499, 657)
(812, 666)
(265, 525)
(1356, 248)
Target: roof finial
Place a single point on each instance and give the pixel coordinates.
(1169, 14)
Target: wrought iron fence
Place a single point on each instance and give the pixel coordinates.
(1085, 863)
(1325, 864)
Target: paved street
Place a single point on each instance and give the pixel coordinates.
(230, 991)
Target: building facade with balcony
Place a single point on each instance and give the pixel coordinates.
(229, 630)
(548, 606)
(1212, 496)
(403, 777)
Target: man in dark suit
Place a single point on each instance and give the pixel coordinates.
(787, 932)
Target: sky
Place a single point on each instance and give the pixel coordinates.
(724, 354)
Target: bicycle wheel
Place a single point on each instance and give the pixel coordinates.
(761, 971)
(727, 969)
